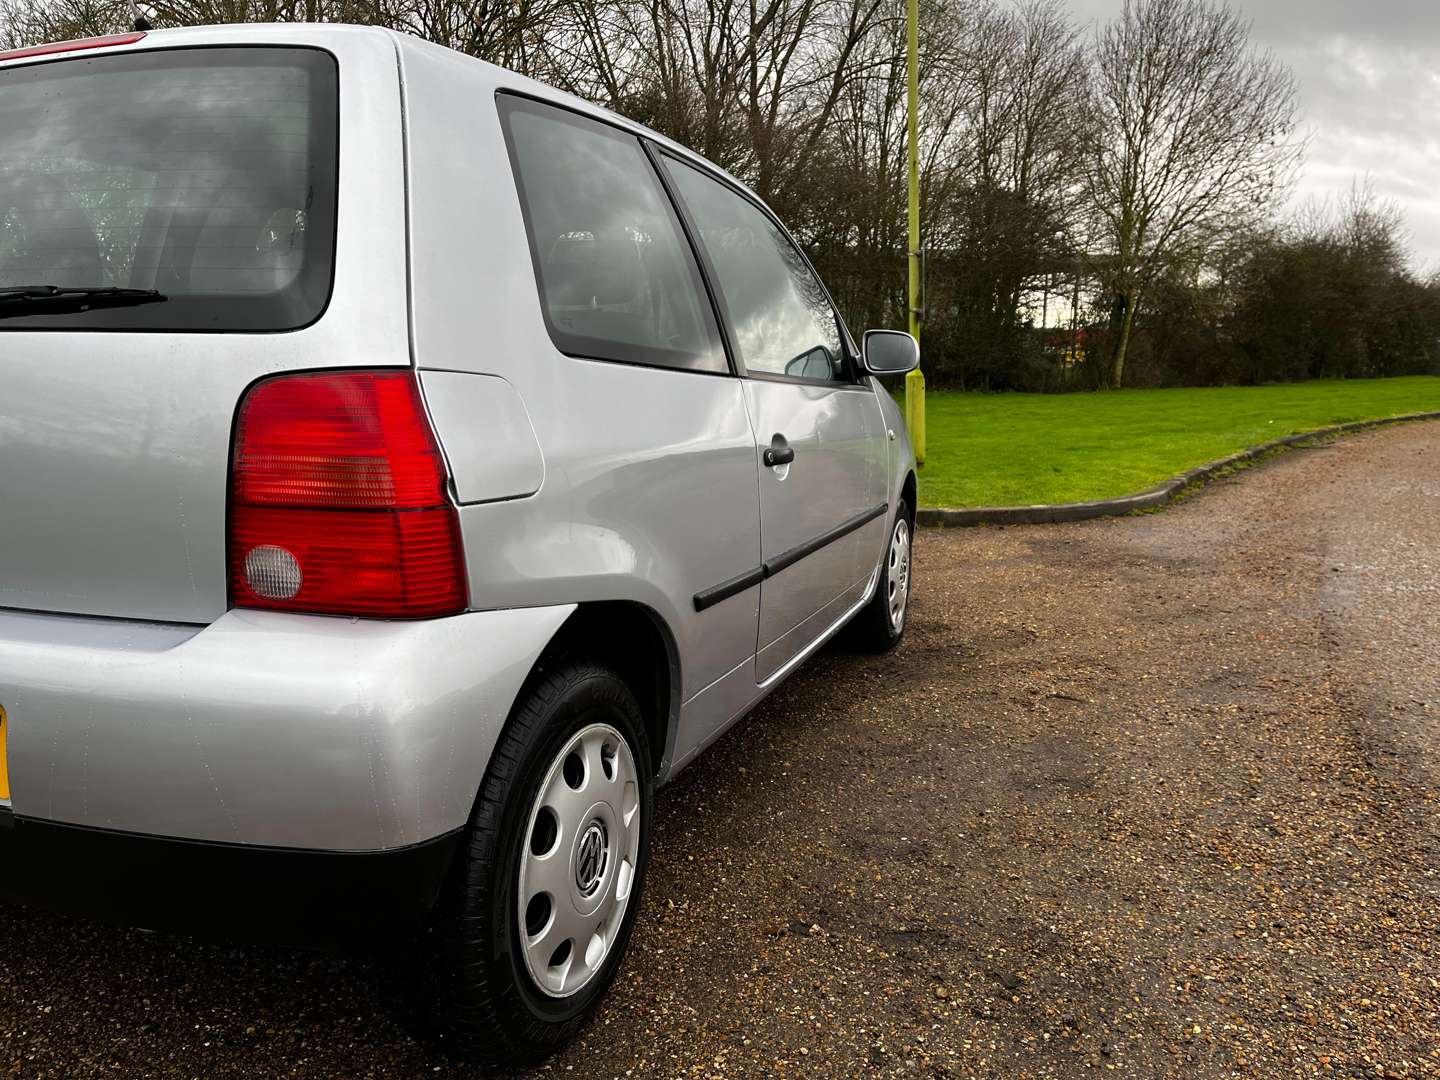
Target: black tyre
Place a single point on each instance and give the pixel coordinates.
(880, 624)
(539, 909)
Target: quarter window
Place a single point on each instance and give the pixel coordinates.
(782, 319)
(617, 280)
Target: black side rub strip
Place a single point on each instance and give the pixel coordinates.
(795, 554)
(726, 589)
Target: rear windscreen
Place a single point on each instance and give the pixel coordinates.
(205, 175)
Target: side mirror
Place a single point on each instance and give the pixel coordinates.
(890, 352)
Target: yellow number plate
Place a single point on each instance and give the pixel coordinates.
(4, 762)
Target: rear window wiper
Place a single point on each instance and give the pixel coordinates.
(18, 300)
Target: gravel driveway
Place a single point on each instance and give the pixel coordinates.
(1155, 795)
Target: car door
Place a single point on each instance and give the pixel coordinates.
(818, 427)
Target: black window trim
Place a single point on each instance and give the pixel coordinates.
(856, 376)
(507, 99)
(653, 152)
(21, 325)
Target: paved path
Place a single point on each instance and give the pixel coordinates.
(1155, 795)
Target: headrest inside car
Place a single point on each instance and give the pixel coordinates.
(589, 269)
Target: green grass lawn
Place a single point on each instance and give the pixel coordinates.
(1018, 449)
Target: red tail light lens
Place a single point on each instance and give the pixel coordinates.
(338, 502)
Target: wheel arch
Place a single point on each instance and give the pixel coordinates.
(636, 642)
(909, 492)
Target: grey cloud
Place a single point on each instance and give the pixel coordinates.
(1394, 21)
(1369, 84)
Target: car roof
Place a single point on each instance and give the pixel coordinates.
(504, 78)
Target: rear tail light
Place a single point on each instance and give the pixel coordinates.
(337, 500)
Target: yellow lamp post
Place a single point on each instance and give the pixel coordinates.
(915, 381)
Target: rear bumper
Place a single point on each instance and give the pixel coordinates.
(223, 890)
(263, 728)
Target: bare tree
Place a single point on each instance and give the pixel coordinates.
(27, 22)
(854, 182)
(1189, 137)
(1029, 73)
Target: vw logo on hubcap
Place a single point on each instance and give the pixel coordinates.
(590, 858)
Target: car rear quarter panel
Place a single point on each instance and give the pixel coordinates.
(649, 475)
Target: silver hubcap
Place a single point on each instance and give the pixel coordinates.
(899, 573)
(578, 864)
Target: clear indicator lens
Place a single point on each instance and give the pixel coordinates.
(272, 572)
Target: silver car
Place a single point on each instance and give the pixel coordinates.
(405, 468)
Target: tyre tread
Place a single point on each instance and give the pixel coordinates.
(870, 630)
(484, 1021)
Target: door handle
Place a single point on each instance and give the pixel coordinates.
(779, 452)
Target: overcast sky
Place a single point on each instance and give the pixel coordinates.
(1369, 81)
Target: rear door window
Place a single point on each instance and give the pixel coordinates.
(207, 175)
(617, 279)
